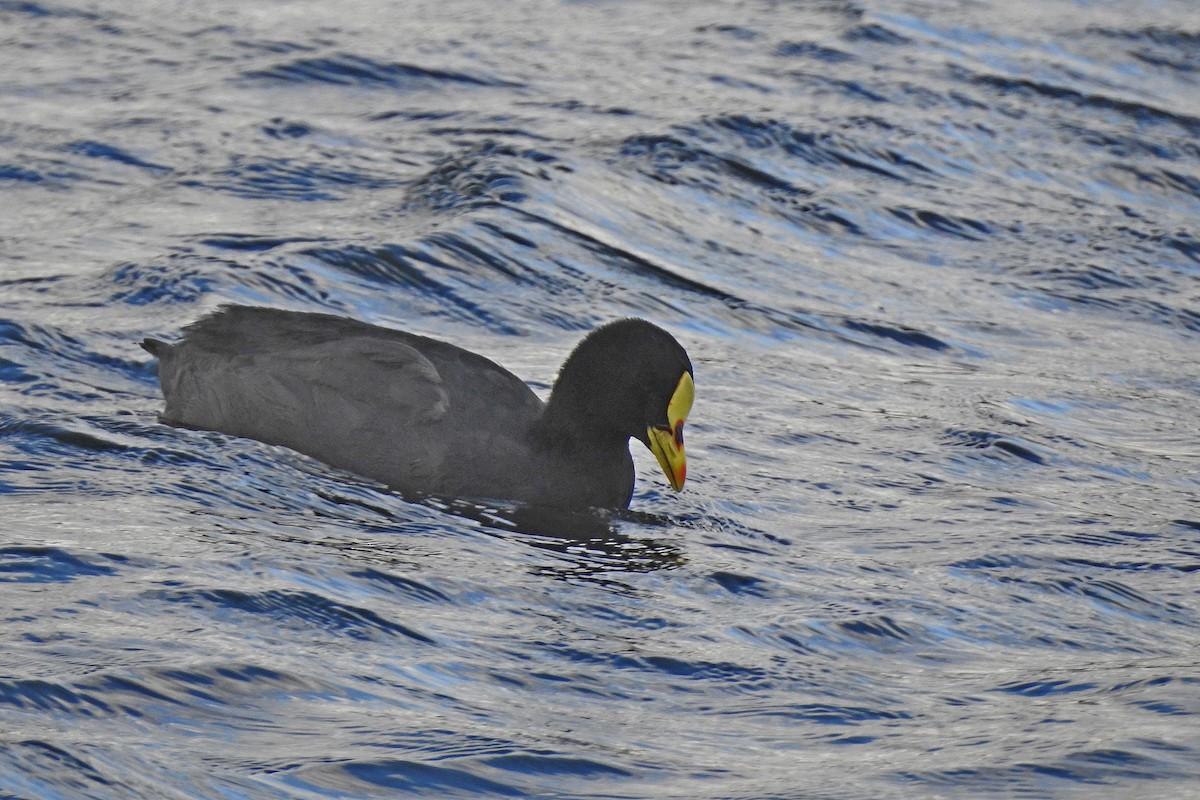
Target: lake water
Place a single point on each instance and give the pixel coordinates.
(937, 265)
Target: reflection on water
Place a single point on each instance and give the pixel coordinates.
(590, 543)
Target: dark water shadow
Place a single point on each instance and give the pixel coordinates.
(589, 543)
(586, 543)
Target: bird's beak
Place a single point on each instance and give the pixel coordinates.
(666, 441)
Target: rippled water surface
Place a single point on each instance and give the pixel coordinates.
(937, 264)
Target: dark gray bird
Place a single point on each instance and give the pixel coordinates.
(428, 418)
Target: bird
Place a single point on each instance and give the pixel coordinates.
(427, 418)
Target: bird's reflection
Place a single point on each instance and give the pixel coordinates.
(592, 541)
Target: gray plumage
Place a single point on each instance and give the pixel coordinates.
(420, 415)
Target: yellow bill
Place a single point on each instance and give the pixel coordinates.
(666, 442)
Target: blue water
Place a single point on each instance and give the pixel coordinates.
(937, 264)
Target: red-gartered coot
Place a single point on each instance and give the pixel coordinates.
(428, 418)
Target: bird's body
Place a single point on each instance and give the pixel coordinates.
(423, 416)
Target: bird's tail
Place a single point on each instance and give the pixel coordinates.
(156, 347)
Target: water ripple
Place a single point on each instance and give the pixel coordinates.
(34, 564)
(937, 275)
(350, 69)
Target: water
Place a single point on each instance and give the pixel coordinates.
(937, 266)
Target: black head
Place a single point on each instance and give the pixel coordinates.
(627, 378)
